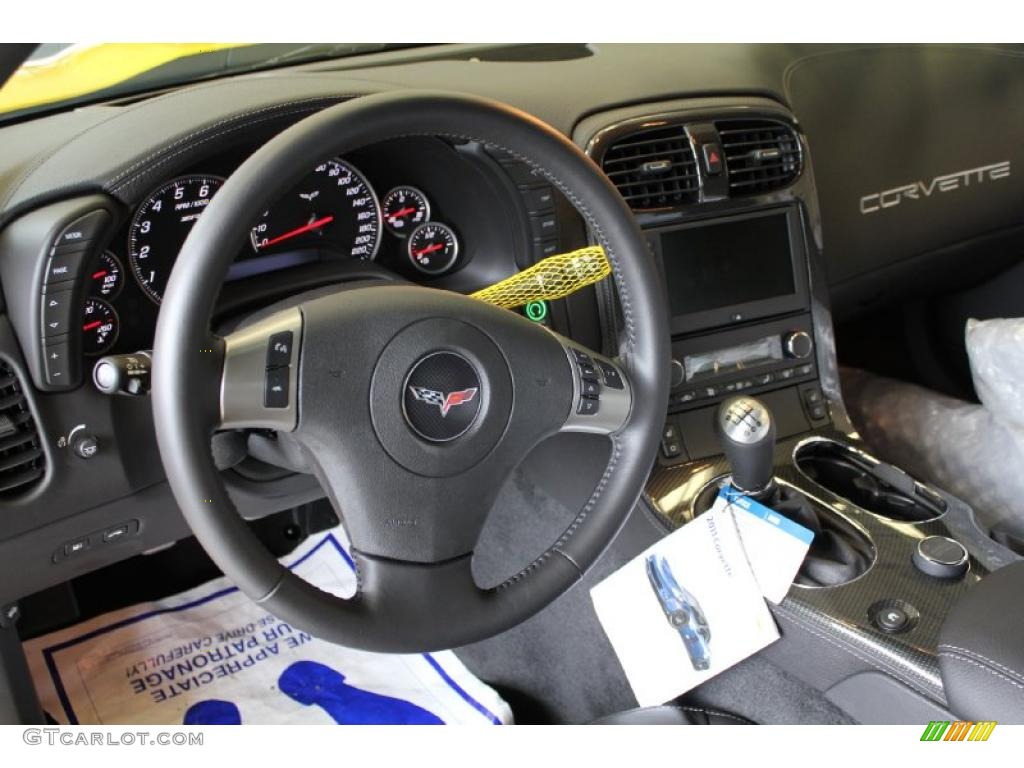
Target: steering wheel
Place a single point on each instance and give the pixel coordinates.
(412, 404)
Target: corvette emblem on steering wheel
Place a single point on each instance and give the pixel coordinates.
(441, 400)
(442, 396)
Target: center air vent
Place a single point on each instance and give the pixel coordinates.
(653, 168)
(760, 155)
(22, 461)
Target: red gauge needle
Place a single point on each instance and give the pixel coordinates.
(428, 249)
(299, 231)
(93, 324)
(98, 275)
(402, 212)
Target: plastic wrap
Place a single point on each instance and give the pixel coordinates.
(973, 451)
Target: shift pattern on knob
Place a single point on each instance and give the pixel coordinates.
(745, 420)
(747, 433)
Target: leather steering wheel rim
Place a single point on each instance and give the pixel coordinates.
(394, 611)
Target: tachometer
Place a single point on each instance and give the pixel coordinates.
(160, 226)
(334, 207)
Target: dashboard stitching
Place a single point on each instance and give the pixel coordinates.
(227, 131)
(44, 157)
(242, 117)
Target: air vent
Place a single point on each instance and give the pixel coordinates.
(22, 461)
(761, 155)
(654, 168)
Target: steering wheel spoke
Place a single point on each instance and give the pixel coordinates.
(259, 381)
(602, 394)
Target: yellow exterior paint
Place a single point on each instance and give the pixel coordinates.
(82, 69)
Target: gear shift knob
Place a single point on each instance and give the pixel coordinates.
(747, 433)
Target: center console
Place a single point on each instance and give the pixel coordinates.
(724, 191)
(741, 323)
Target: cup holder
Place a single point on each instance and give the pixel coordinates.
(867, 483)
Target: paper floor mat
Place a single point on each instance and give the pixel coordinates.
(211, 655)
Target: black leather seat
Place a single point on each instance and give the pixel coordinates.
(672, 714)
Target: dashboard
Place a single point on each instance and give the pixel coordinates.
(95, 203)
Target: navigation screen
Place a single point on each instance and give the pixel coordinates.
(734, 262)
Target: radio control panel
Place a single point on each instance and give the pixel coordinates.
(708, 368)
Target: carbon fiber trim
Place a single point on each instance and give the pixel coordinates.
(841, 615)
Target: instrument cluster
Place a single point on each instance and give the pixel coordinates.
(333, 213)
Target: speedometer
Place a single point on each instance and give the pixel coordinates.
(160, 226)
(334, 208)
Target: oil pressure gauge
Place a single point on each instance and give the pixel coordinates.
(433, 248)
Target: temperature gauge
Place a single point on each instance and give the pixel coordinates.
(99, 327)
(404, 209)
(106, 279)
(433, 248)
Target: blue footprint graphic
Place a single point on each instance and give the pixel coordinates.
(213, 712)
(308, 683)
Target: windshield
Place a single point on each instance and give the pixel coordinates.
(63, 73)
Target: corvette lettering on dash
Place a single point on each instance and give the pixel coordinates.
(921, 190)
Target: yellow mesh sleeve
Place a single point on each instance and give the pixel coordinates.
(553, 278)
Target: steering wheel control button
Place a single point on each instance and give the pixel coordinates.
(581, 357)
(275, 392)
(941, 557)
(590, 388)
(588, 406)
(442, 397)
(611, 375)
(279, 350)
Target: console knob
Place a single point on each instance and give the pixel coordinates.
(941, 557)
(678, 373)
(798, 344)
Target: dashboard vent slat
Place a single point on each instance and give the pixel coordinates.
(654, 168)
(761, 155)
(22, 460)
